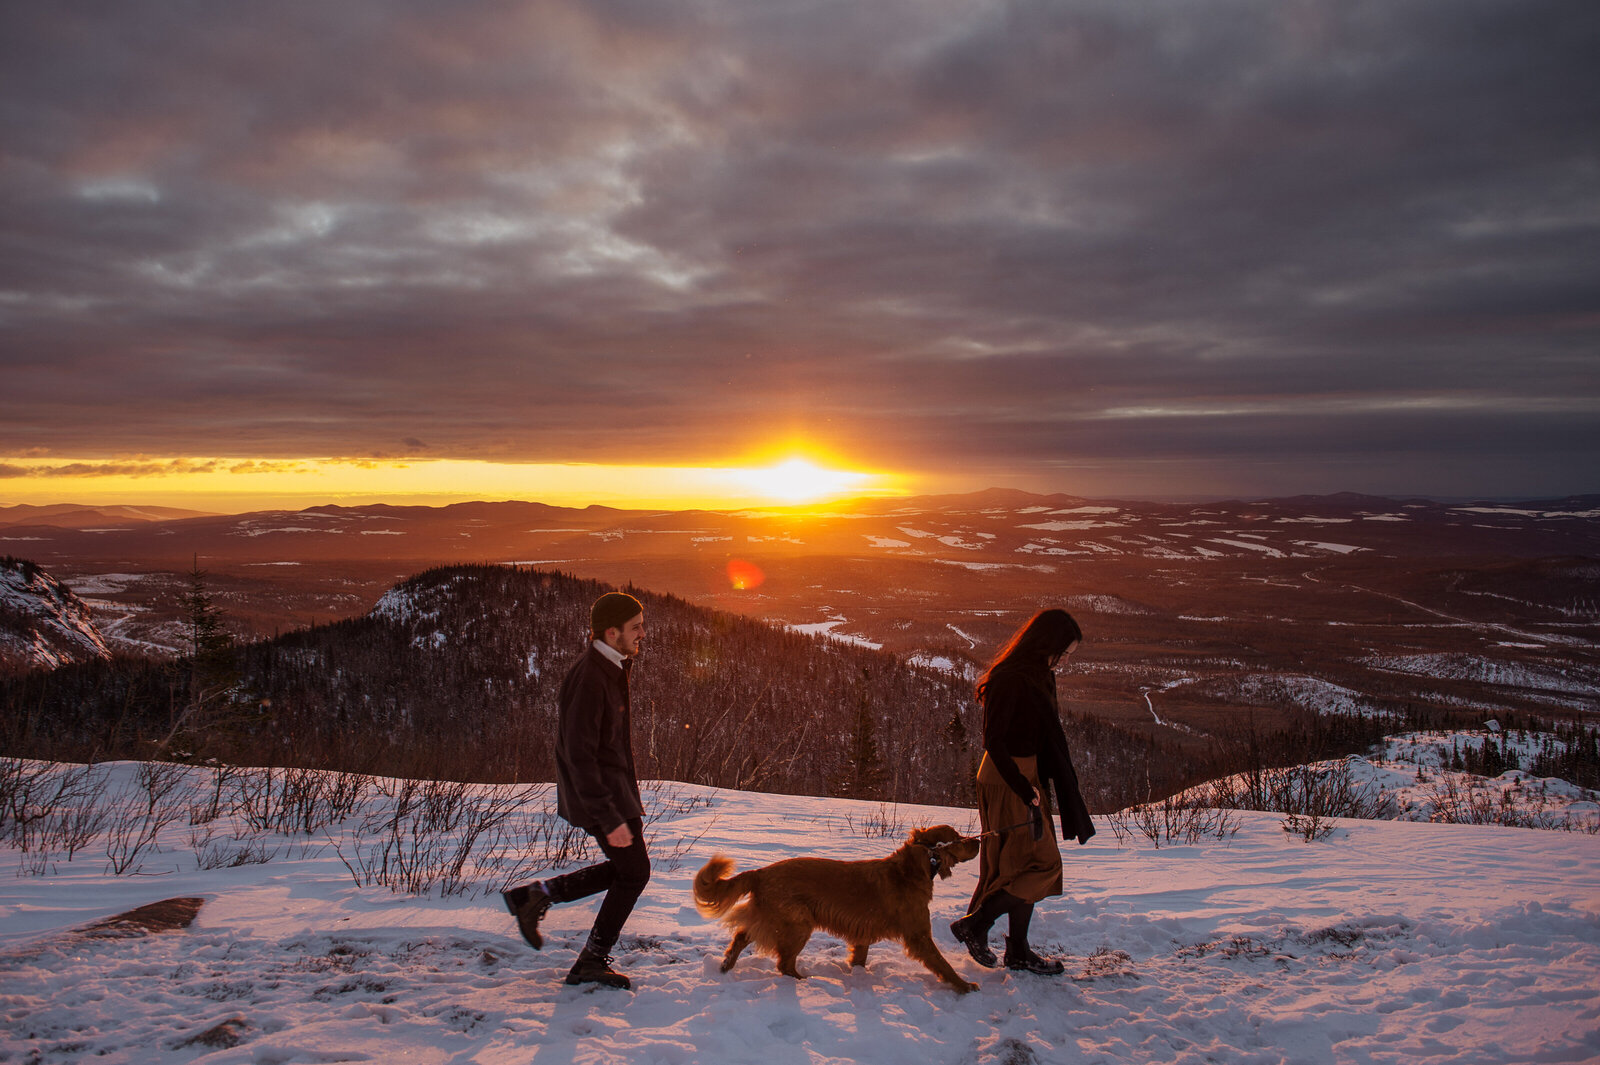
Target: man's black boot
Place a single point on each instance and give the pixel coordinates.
(594, 966)
(1024, 960)
(528, 905)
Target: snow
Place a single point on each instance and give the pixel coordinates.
(1041, 549)
(825, 628)
(1338, 549)
(1064, 526)
(1306, 692)
(1105, 604)
(1270, 552)
(1387, 941)
(1576, 680)
(283, 529)
(984, 567)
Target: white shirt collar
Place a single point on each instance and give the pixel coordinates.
(612, 654)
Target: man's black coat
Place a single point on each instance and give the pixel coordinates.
(596, 787)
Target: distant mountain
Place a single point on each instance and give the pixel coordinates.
(42, 623)
(77, 516)
(995, 527)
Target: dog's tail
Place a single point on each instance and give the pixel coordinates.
(715, 891)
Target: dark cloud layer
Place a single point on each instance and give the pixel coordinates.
(1098, 247)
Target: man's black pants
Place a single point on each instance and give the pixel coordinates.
(622, 876)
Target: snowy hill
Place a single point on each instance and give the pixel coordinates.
(1423, 776)
(1385, 941)
(42, 623)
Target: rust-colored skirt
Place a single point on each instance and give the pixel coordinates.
(1014, 862)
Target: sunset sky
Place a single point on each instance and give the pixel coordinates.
(297, 252)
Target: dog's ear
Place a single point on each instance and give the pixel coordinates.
(929, 835)
(944, 862)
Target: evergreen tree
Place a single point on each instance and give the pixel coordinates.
(212, 674)
(864, 769)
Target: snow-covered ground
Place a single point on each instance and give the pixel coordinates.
(1388, 941)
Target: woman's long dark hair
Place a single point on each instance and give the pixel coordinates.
(1046, 635)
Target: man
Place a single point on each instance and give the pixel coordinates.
(597, 791)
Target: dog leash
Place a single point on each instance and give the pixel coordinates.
(1035, 821)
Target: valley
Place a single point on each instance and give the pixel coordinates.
(1203, 620)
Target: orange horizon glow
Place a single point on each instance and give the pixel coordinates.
(234, 485)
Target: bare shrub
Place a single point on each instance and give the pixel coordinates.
(38, 796)
(138, 815)
(443, 834)
(1172, 820)
(1309, 827)
(295, 800)
(1460, 801)
(230, 854)
(885, 823)
(212, 808)
(1320, 790)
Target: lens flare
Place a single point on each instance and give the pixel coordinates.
(744, 576)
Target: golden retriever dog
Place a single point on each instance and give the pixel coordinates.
(860, 902)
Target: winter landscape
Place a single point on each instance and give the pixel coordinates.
(1429, 894)
(351, 353)
(1223, 937)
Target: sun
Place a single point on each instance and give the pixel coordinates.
(802, 481)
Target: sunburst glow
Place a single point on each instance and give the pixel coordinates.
(802, 481)
(236, 484)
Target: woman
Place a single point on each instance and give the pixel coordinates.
(1023, 746)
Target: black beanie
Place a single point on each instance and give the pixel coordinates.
(612, 611)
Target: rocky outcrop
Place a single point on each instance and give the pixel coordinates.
(42, 623)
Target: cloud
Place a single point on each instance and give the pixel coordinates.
(927, 234)
(133, 468)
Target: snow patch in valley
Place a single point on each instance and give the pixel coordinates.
(1466, 667)
(1338, 549)
(1270, 552)
(825, 628)
(1064, 526)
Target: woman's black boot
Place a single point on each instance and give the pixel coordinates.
(972, 931)
(1021, 959)
(975, 938)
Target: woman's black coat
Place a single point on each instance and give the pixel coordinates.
(1019, 701)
